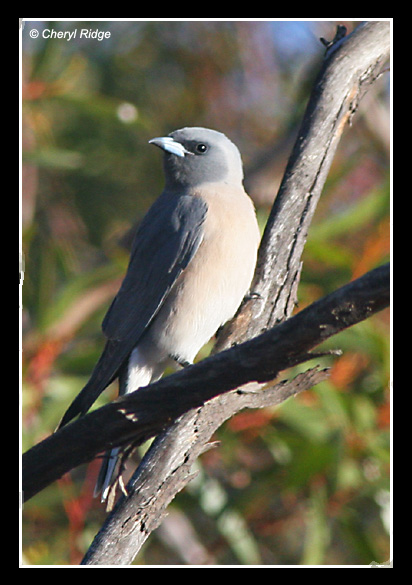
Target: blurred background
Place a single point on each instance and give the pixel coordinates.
(303, 484)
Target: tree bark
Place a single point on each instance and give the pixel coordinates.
(136, 417)
(167, 467)
(351, 65)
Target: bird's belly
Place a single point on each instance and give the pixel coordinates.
(202, 301)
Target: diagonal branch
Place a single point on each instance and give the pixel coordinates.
(172, 455)
(144, 413)
(351, 65)
(166, 467)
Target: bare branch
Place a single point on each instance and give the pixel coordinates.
(166, 467)
(351, 65)
(172, 455)
(144, 413)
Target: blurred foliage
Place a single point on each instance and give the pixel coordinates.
(303, 484)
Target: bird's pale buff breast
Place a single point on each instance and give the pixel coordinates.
(221, 273)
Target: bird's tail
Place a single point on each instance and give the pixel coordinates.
(108, 473)
(104, 372)
(140, 371)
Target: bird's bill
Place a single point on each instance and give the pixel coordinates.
(168, 144)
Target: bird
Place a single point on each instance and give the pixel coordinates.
(191, 264)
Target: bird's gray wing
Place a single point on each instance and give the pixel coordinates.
(165, 243)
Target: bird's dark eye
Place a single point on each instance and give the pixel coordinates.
(201, 148)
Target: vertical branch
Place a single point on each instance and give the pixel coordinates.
(351, 65)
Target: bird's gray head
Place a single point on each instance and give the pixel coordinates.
(194, 156)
